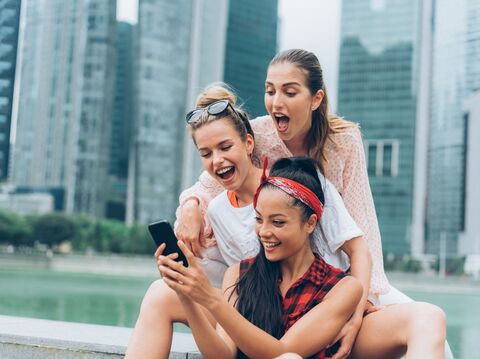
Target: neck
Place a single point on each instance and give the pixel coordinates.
(296, 146)
(246, 191)
(296, 265)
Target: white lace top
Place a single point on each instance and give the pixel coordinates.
(345, 168)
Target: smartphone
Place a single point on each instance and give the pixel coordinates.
(162, 232)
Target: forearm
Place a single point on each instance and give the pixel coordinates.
(209, 342)
(251, 340)
(361, 268)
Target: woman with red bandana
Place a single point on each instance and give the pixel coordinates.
(299, 123)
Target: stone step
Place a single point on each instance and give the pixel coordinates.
(38, 338)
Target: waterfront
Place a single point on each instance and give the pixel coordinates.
(115, 300)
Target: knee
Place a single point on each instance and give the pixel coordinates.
(289, 356)
(158, 297)
(430, 319)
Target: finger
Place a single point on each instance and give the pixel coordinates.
(171, 274)
(337, 338)
(342, 353)
(188, 254)
(159, 250)
(174, 265)
(177, 287)
(196, 249)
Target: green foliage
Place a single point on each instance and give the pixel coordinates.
(453, 266)
(82, 231)
(402, 264)
(53, 228)
(14, 229)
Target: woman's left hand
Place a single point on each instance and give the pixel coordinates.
(347, 337)
(190, 282)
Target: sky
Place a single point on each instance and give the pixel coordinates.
(313, 25)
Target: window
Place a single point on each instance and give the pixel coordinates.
(382, 157)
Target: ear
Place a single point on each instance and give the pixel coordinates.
(250, 144)
(317, 99)
(311, 223)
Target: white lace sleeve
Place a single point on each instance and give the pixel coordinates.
(336, 223)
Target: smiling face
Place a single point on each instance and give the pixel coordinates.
(289, 101)
(279, 225)
(223, 153)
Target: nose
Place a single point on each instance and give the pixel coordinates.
(264, 230)
(217, 158)
(277, 101)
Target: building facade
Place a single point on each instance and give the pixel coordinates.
(250, 45)
(378, 88)
(122, 121)
(455, 76)
(61, 128)
(155, 165)
(9, 25)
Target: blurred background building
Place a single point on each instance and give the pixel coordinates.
(455, 76)
(61, 123)
(9, 24)
(182, 47)
(378, 87)
(97, 106)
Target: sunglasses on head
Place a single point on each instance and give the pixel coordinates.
(215, 108)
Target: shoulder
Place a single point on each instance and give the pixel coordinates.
(262, 125)
(218, 202)
(350, 135)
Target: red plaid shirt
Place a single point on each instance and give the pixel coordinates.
(306, 292)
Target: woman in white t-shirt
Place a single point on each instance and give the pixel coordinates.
(225, 142)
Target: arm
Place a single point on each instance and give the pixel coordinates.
(358, 199)
(192, 225)
(361, 263)
(337, 306)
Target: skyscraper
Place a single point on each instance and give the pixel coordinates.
(455, 76)
(182, 48)
(122, 121)
(250, 45)
(61, 129)
(9, 24)
(378, 87)
(164, 30)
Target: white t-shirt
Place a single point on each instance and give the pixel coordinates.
(234, 228)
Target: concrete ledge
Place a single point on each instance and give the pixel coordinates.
(37, 338)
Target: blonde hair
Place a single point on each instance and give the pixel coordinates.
(235, 114)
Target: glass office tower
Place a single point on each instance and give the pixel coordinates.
(378, 84)
(251, 44)
(63, 109)
(9, 24)
(455, 76)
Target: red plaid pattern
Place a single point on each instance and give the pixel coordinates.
(306, 292)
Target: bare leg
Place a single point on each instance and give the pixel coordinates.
(153, 332)
(416, 330)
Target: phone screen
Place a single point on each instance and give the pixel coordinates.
(162, 232)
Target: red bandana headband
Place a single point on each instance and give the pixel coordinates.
(292, 188)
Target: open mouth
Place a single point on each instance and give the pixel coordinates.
(226, 172)
(270, 245)
(282, 122)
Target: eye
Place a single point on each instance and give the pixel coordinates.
(226, 148)
(205, 154)
(269, 91)
(291, 94)
(258, 220)
(278, 223)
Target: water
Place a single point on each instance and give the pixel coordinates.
(115, 300)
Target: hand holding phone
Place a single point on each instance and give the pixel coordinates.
(162, 232)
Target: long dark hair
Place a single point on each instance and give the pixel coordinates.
(323, 122)
(259, 300)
